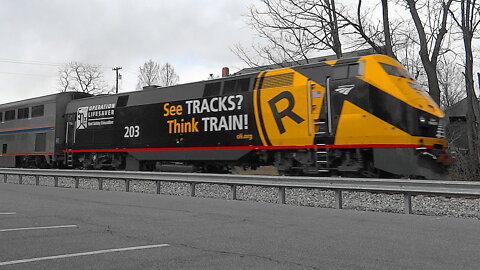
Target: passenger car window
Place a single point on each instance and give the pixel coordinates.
(23, 113)
(10, 115)
(37, 111)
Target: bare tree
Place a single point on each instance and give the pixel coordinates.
(450, 80)
(168, 76)
(363, 31)
(297, 29)
(429, 55)
(65, 78)
(468, 19)
(82, 77)
(149, 74)
(407, 49)
(293, 30)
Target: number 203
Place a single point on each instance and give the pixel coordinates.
(132, 132)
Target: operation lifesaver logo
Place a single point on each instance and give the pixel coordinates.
(95, 115)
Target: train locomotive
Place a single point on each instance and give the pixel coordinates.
(361, 116)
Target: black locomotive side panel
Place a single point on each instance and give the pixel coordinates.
(208, 123)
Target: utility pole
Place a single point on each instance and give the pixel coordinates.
(116, 85)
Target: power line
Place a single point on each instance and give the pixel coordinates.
(29, 62)
(27, 74)
(130, 71)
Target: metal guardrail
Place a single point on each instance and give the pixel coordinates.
(406, 187)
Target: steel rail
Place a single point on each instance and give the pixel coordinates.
(407, 187)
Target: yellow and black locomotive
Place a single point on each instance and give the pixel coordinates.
(362, 116)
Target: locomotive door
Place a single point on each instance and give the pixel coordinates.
(336, 97)
(69, 139)
(339, 87)
(70, 131)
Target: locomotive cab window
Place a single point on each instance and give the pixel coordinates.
(10, 115)
(236, 86)
(1, 116)
(346, 71)
(23, 113)
(38, 110)
(395, 71)
(212, 89)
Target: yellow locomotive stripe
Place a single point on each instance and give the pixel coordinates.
(357, 126)
(256, 108)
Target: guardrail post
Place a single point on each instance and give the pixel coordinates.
(127, 185)
(4, 178)
(192, 189)
(55, 181)
(407, 203)
(100, 183)
(159, 186)
(281, 195)
(77, 180)
(20, 179)
(338, 199)
(233, 188)
(37, 180)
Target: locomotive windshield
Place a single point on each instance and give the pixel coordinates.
(395, 71)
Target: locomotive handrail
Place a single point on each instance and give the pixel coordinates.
(407, 187)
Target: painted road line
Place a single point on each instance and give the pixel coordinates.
(82, 254)
(8, 213)
(39, 228)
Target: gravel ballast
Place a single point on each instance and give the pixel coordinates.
(363, 201)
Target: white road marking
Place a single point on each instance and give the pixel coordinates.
(81, 254)
(39, 228)
(8, 213)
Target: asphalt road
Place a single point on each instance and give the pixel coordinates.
(199, 233)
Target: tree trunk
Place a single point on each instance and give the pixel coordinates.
(386, 29)
(337, 45)
(473, 110)
(432, 77)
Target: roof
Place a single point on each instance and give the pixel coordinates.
(303, 62)
(458, 109)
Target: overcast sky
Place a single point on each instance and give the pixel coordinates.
(194, 36)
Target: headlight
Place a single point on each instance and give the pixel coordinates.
(422, 120)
